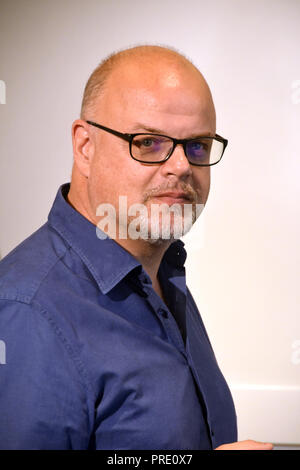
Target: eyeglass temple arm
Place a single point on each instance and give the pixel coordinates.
(127, 137)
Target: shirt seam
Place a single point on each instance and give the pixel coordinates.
(28, 297)
(79, 365)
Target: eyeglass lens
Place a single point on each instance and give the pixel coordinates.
(155, 148)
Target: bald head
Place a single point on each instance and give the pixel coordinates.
(142, 67)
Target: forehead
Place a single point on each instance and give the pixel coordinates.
(151, 91)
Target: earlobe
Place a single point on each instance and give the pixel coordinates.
(82, 146)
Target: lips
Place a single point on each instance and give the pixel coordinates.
(174, 195)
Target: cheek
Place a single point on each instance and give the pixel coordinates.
(104, 183)
(117, 174)
(201, 178)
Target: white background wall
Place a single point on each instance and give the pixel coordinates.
(243, 268)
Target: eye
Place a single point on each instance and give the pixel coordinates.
(147, 142)
(198, 150)
(196, 146)
(151, 147)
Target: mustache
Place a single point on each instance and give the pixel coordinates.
(187, 189)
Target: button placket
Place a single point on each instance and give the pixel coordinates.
(163, 312)
(165, 316)
(172, 328)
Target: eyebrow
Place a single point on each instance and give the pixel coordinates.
(141, 127)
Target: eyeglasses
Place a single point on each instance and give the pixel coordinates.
(157, 148)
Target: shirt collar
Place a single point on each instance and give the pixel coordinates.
(108, 261)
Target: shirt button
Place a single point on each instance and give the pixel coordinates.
(145, 280)
(163, 312)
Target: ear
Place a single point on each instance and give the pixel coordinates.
(83, 146)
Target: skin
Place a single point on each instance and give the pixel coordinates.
(246, 445)
(174, 99)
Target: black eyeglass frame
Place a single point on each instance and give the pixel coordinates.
(129, 138)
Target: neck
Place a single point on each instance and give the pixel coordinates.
(148, 254)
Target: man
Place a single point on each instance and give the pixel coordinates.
(105, 346)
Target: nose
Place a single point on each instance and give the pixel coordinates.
(177, 164)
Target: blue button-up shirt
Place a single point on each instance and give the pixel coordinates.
(92, 358)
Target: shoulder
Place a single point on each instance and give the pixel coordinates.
(32, 340)
(35, 310)
(23, 270)
(29, 286)
(44, 376)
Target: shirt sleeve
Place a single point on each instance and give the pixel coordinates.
(43, 402)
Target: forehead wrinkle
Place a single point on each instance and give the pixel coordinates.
(139, 127)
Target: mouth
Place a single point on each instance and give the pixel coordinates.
(172, 197)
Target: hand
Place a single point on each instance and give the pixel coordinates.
(246, 445)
